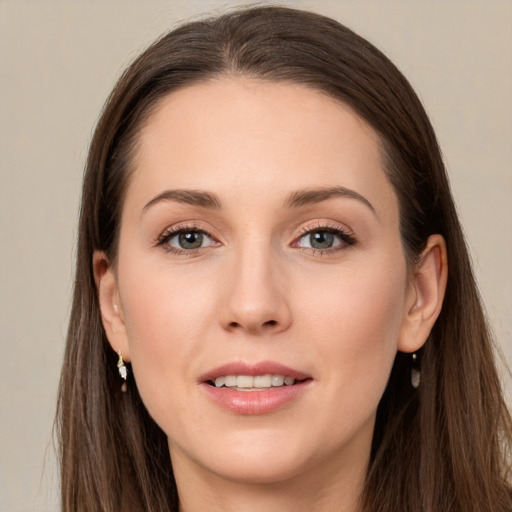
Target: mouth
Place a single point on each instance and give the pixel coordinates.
(251, 389)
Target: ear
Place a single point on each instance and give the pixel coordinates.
(112, 316)
(425, 295)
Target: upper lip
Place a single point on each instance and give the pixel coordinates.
(253, 369)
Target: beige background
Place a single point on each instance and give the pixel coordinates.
(58, 61)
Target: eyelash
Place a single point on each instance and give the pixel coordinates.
(347, 238)
(170, 233)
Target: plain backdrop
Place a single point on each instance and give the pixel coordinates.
(59, 60)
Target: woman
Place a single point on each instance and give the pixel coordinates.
(263, 313)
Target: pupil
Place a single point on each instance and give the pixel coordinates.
(191, 240)
(321, 240)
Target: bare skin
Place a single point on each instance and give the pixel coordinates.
(259, 226)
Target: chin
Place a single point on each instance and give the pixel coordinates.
(264, 456)
(260, 470)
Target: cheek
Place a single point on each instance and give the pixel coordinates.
(167, 315)
(356, 324)
(162, 304)
(357, 320)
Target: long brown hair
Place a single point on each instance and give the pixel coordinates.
(442, 447)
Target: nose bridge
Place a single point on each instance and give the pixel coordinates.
(256, 300)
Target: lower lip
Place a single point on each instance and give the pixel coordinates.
(251, 403)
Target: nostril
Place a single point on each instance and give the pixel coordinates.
(269, 323)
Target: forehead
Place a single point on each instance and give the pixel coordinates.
(256, 134)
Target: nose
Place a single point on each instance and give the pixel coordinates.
(255, 300)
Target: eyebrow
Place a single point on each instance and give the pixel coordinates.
(193, 197)
(316, 195)
(295, 199)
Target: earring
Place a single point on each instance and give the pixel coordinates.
(123, 371)
(415, 372)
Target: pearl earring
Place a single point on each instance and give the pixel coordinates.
(415, 372)
(123, 371)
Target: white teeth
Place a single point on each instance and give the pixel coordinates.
(230, 380)
(220, 381)
(262, 381)
(246, 382)
(277, 380)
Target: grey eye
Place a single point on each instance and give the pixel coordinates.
(189, 240)
(192, 240)
(320, 239)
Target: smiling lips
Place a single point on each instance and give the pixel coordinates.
(254, 389)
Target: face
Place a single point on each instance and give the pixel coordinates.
(261, 289)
